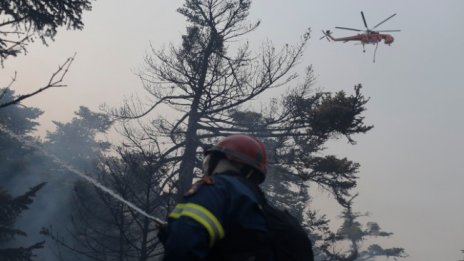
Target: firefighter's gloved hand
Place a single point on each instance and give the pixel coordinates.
(163, 233)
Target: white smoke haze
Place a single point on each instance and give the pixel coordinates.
(81, 175)
(51, 207)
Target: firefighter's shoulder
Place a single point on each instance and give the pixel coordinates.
(205, 180)
(229, 185)
(237, 188)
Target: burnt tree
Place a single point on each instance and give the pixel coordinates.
(206, 78)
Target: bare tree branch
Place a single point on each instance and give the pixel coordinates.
(55, 81)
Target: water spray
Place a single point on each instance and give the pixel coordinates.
(82, 175)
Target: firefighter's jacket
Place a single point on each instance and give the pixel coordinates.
(219, 217)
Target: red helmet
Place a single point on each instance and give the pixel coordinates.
(243, 149)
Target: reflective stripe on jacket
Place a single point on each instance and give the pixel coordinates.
(202, 216)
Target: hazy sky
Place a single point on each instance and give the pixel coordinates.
(411, 175)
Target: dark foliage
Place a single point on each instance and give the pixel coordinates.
(353, 233)
(330, 114)
(10, 210)
(14, 156)
(23, 21)
(18, 119)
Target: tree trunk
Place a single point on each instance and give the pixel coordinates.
(144, 251)
(188, 159)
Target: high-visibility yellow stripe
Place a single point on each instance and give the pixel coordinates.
(209, 228)
(176, 213)
(202, 216)
(210, 216)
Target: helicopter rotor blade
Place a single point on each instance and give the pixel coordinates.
(364, 20)
(389, 31)
(346, 28)
(384, 21)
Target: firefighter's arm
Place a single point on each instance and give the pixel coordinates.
(196, 224)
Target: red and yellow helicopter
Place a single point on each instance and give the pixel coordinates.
(369, 36)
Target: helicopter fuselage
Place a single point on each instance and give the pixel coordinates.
(367, 38)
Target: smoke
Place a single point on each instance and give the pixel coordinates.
(52, 203)
(81, 175)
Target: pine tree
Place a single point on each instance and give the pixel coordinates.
(354, 233)
(10, 210)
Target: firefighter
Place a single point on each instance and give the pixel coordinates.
(221, 216)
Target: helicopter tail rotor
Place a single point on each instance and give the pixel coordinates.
(327, 35)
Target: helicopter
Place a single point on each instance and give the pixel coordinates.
(368, 36)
